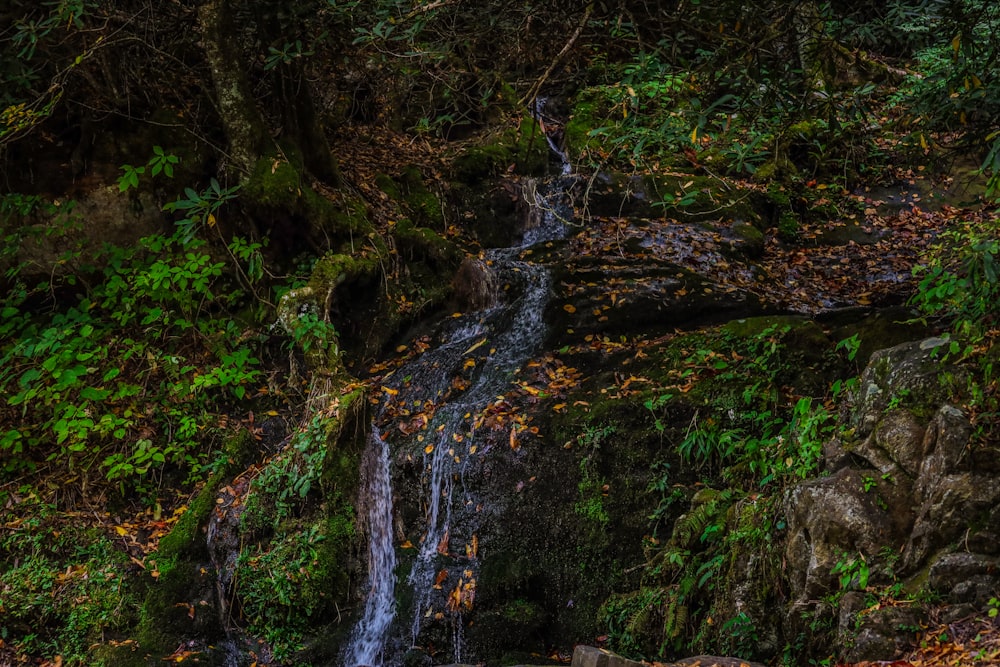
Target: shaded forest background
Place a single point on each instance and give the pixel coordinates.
(217, 214)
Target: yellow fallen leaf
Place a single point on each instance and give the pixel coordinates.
(474, 347)
(428, 449)
(121, 531)
(569, 308)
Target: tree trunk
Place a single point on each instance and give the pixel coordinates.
(303, 126)
(245, 129)
(809, 42)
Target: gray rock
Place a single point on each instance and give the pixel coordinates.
(883, 634)
(907, 370)
(715, 661)
(964, 573)
(829, 517)
(589, 656)
(957, 612)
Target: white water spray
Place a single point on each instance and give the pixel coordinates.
(369, 636)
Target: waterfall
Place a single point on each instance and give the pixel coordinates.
(368, 639)
(496, 341)
(551, 129)
(517, 330)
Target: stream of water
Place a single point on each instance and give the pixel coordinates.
(494, 342)
(368, 639)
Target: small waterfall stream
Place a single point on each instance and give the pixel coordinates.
(443, 392)
(367, 640)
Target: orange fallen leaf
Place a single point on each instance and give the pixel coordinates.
(442, 547)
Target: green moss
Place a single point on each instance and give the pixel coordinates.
(585, 116)
(426, 244)
(779, 168)
(751, 238)
(181, 573)
(524, 147)
(788, 226)
(276, 189)
(65, 586)
(335, 269)
(385, 183)
(425, 206)
(286, 586)
(298, 529)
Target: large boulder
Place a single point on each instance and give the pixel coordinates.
(909, 497)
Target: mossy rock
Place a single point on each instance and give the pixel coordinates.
(409, 191)
(523, 147)
(686, 197)
(294, 214)
(750, 240)
(489, 212)
(588, 113)
(421, 243)
(779, 168)
(182, 579)
(882, 329)
(425, 206)
(788, 226)
(298, 560)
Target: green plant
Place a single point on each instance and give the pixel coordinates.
(200, 208)
(644, 623)
(852, 572)
(79, 377)
(959, 281)
(311, 333)
(276, 587)
(851, 345)
(868, 483)
(286, 54)
(742, 634)
(281, 489)
(592, 487)
(898, 399)
(64, 584)
(160, 162)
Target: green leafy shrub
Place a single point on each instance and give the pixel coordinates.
(959, 280)
(63, 586)
(80, 374)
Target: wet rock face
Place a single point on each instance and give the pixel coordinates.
(905, 495)
(100, 216)
(871, 636)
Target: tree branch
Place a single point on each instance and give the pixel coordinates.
(533, 91)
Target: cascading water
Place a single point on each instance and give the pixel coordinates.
(550, 130)
(513, 331)
(453, 383)
(368, 638)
